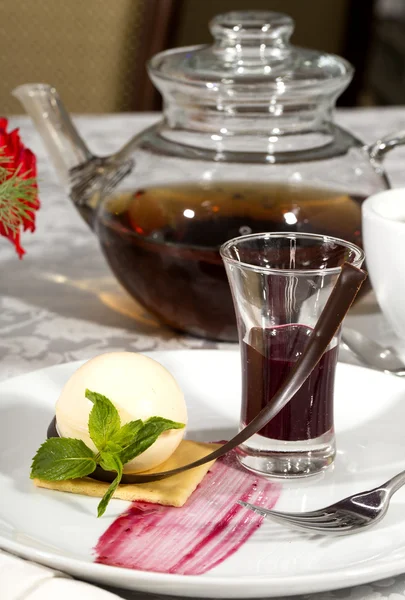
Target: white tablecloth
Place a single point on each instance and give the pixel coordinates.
(61, 303)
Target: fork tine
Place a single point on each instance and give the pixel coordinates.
(336, 530)
(264, 512)
(310, 528)
(333, 524)
(314, 517)
(330, 529)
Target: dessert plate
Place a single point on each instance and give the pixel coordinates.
(61, 530)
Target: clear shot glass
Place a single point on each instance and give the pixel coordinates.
(280, 283)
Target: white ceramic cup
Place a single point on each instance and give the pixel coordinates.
(383, 218)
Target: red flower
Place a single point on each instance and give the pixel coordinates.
(19, 201)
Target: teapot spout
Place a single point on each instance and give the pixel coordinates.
(63, 143)
(86, 176)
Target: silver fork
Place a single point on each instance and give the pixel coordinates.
(350, 515)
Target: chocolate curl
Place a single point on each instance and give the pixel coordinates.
(339, 302)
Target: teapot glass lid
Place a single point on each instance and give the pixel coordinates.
(253, 49)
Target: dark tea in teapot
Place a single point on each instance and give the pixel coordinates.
(248, 109)
(163, 242)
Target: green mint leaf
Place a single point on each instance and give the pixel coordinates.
(163, 424)
(63, 458)
(104, 420)
(127, 434)
(147, 435)
(114, 464)
(113, 448)
(107, 459)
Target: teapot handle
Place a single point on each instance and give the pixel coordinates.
(379, 149)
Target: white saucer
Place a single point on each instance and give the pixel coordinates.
(60, 530)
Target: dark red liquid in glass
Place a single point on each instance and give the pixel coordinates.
(267, 360)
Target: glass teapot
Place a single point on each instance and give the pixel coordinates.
(247, 143)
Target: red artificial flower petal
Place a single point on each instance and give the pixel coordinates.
(21, 158)
(28, 164)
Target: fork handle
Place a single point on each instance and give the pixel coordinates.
(394, 484)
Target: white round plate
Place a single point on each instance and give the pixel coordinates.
(60, 530)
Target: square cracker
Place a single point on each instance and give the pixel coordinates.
(173, 491)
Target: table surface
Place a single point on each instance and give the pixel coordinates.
(61, 303)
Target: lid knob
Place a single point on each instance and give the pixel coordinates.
(252, 27)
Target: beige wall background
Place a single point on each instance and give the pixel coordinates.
(85, 48)
(88, 48)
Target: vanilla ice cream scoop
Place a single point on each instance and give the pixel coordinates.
(139, 387)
